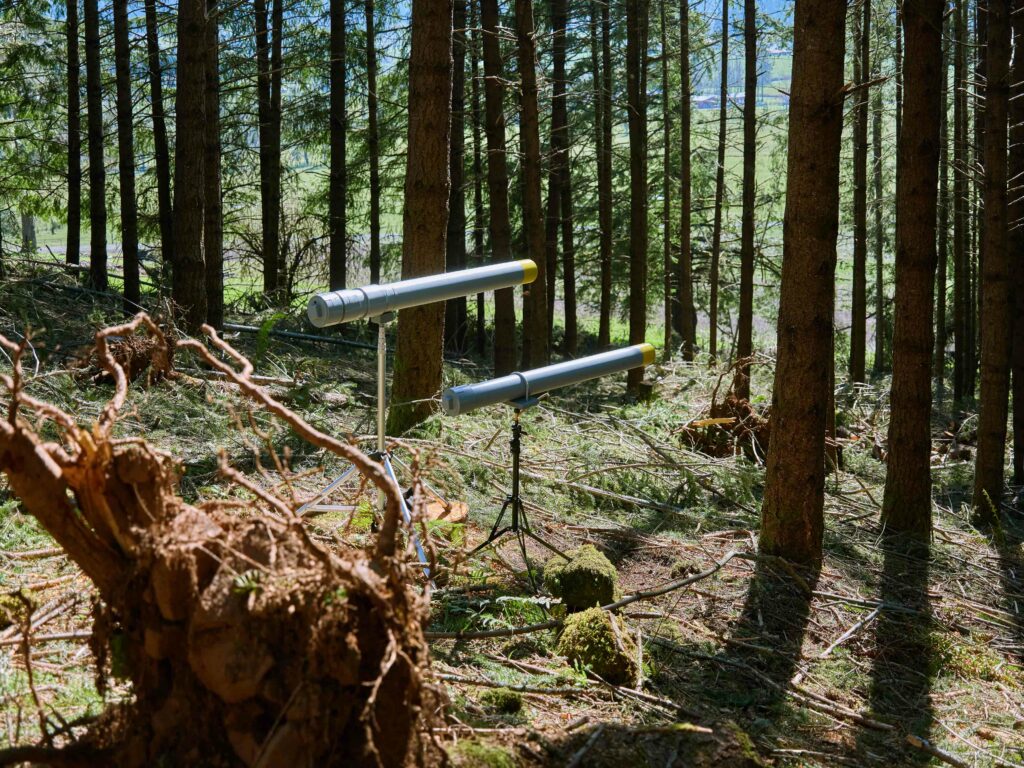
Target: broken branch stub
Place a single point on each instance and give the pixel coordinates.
(244, 640)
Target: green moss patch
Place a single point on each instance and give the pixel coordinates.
(600, 641)
(502, 700)
(587, 579)
(474, 754)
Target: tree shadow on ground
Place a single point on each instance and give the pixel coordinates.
(903, 657)
(1010, 546)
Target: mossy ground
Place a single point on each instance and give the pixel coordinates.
(587, 579)
(941, 662)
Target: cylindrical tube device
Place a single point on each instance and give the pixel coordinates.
(345, 306)
(522, 386)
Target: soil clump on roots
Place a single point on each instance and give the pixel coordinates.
(245, 641)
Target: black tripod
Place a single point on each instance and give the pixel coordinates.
(520, 525)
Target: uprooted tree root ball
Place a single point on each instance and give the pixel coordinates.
(245, 641)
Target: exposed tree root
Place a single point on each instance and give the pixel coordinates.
(245, 641)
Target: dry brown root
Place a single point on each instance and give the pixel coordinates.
(245, 642)
(730, 426)
(152, 355)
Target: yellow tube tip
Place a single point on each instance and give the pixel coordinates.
(649, 354)
(529, 270)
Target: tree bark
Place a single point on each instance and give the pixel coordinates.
(455, 309)
(373, 140)
(604, 180)
(907, 504)
(497, 186)
(879, 234)
(997, 317)
(97, 169)
(1015, 214)
(126, 159)
(213, 219)
(862, 70)
(636, 92)
(687, 321)
(338, 195)
(535, 313)
(558, 223)
(792, 514)
(268, 63)
(666, 186)
(961, 202)
(162, 156)
(478, 195)
(188, 290)
(939, 356)
(424, 221)
(716, 231)
(745, 330)
(74, 241)
(568, 258)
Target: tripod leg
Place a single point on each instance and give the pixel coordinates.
(407, 515)
(525, 526)
(330, 488)
(496, 531)
(526, 561)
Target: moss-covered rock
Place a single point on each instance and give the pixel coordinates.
(502, 700)
(600, 641)
(587, 579)
(475, 754)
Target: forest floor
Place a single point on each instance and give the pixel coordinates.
(887, 656)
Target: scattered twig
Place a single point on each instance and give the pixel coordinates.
(577, 759)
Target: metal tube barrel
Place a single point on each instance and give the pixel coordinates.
(336, 307)
(520, 386)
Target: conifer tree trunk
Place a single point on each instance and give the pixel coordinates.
(373, 140)
(162, 156)
(268, 62)
(745, 335)
(74, 241)
(961, 202)
(497, 186)
(535, 313)
(1015, 215)
(687, 312)
(879, 234)
(792, 514)
(636, 92)
(939, 357)
(97, 169)
(862, 69)
(907, 503)
(478, 195)
(455, 309)
(126, 159)
(338, 194)
(716, 231)
(425, 217)
(568, 258)
(558, 170)
(213, 221)
(188, 290)
(666, 186)
(997, 316)
(604, 180)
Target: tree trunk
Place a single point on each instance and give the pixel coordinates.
(745, 335)
(879, 235)
(71, 253)
(425, 217)
(497, 186)
(535, 311)
(478, 195)
(213, 221)
(961, 202)
(568, 257)
(97, 169)
(687, 312)
(666, 186)
(373, 141)
(636, 93)
(162, 156)
(792, 518)
(997, 317)
(604, 180)
(455, 309)
(862, 70)
(188, 290)
(1015, 215)
(907, 504)
(939, 357)
(558, 156)
(716, 231)
(338, 195)
(268, 63)
(975, 315)
(126, 159)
